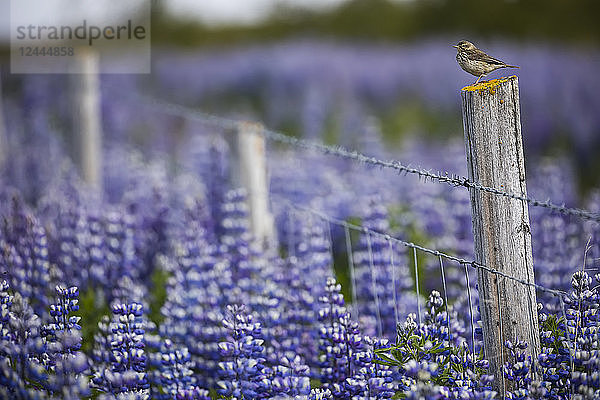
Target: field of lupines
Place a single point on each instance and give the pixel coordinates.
(155, 288)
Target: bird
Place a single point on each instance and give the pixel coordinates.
(475, 61)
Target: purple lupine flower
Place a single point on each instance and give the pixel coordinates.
(22, 349)
(128, 290)
(582, 327)
(5, 303)
(26, 256)
(118, 247)
(127, 372)
(68, 249)
(101, 354)
(343, 351)
(96, 249)
(311, 266)
(443, 322)
(375, 380)
(320, 394)
(247, 261)
(290, 377)
(196, 294)
(173, 376)
(283, 314)
(568, 362)
(68, 366)
(290, 319)
(242, 370)
(215, 176)
(314, 257)
(153, 347)
(236, 237)
(149, 226)
(419, 375)
(518, 370)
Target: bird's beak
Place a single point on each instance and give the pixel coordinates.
(455, 46)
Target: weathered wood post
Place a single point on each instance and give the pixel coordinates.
(494, 147)
(249, 170)
(87, 131)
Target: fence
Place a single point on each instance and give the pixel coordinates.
(482, 194)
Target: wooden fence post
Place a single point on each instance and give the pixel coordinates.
(249, 170)
(494, 147)
(87, 131)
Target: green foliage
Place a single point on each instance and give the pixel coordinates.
(551, 327)
(412, 233)
(389, 20)
(409, 117)
(429, 342)
(158, 295)
(411, 345)
(340, 261)
(92, 307)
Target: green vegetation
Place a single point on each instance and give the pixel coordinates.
(91, 310)
(388, 20)
(411, 116)
(158, 295)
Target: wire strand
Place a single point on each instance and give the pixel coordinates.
(437, 253)
(374, 283)
(350, 255)
(394, 290)
(445, 296)
(418, 290)
(470, 308)
(339, 151)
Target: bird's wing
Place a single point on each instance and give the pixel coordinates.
(480, 55)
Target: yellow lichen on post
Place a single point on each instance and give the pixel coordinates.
(487, 85)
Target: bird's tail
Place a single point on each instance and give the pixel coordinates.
(511, 66)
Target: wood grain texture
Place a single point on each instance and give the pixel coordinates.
(501, 229)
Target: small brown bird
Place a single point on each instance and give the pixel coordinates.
(475, 61)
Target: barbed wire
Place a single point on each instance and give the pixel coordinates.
(339, 151)
(388, 237)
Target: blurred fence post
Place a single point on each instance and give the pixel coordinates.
(87, 132)
(494, 147)
(3, 139)
(249, 170)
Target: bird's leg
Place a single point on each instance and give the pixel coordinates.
(477, 81)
